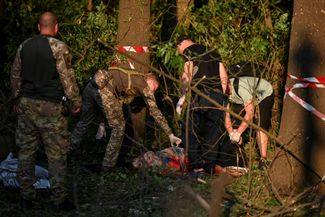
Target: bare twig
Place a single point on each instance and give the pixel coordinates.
(289, 209)
(136, 142)
(205, 205)
(279, 143)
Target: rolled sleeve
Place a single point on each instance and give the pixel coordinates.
(155, 112)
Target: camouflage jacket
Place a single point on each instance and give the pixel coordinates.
(127, 86)
(63, 65)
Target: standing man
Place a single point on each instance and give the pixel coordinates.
(204, 70)
(41, 75)
(108, 90)
(249, 93)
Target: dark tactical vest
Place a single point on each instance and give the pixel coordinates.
(40, 79)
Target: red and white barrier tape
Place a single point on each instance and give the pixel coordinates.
(134, 49)
(313, 82)
(309, 79)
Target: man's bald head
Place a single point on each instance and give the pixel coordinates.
(48, 23)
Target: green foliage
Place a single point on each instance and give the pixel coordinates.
(78, 28)
(82, 35)
(237, 29)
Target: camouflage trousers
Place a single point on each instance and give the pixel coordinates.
(113, 110)
(41, 122)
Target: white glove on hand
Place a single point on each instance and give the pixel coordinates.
(174, 140)
(180, 104)
(101, 132)
(235, 136)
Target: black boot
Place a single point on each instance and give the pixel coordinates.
(65, 206)
(263, 164)
(95, 168)
(26, 204)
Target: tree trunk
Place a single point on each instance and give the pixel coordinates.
(277, 71)
(90, 5)
(182, 9)
(301, 130)
(134, 29)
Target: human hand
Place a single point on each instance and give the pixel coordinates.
(101, 132)
(235, 136)
(75, 107)
(180, 104)
(174, 140)
(76, 110)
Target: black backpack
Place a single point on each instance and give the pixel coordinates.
(245, 68)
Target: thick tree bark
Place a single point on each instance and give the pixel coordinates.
(134, 29)
(182, 9)
(90, 5)
(277, 70)
(302, 131)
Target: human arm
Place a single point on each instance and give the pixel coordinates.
(244, 97)
(187, 75)
(180, 103)
(235, 134)
(228, 123)
(186, 79)
(223, 77)
(249, 113)
(15, 78)
(67, 76)
(158, 116)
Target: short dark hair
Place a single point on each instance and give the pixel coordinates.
(182, 38)
(48, 19)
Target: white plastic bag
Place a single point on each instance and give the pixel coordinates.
(8, 169)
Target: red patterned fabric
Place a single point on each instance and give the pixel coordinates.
(167, 161)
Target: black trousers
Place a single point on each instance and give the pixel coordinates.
(231, 154)
(92, 107)
(204, 131)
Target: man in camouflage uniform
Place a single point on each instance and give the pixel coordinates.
(108, 90)
(40, 77)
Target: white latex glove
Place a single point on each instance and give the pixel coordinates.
(180, 104)
(101, 132)
(235, 136)
(174, 140)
